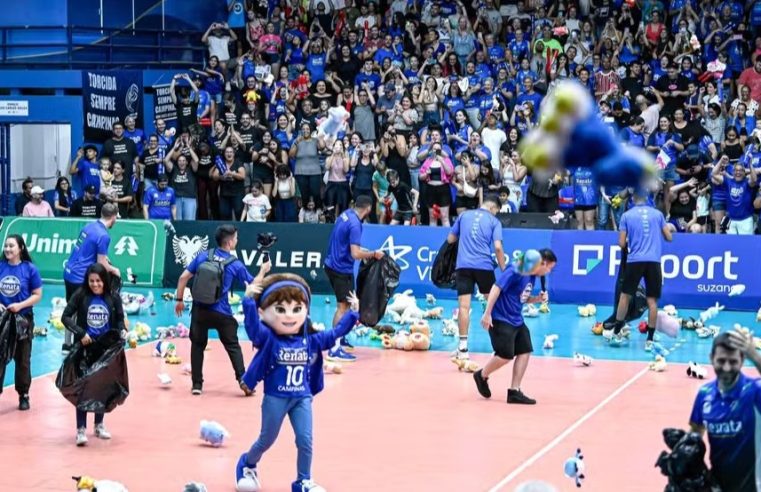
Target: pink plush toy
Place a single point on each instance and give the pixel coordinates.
(668, 325)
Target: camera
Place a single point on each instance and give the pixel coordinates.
(266, 240)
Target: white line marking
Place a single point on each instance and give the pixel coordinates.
(567, 432)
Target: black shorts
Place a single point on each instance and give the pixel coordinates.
(584, 208)
(467, 202)
(438, 195)
(402, 217)
(650, 271)
(509, 340)
(467, 278)
(342, 283)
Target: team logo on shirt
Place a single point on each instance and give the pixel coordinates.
(97, 316)
(725, 429)
(10, 286)
(526, 292)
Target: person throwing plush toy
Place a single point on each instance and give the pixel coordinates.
(289, 361)
(503, 317)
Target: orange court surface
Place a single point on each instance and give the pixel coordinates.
(393, 421)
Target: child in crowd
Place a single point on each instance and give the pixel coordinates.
(310, 214)
(508, 206)
(289, 361)
(256, 205)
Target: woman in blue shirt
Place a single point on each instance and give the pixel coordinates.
(20, 289)
(63, 197)
(585, 197)
(94, 314)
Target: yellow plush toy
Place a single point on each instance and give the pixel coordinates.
(544, 308)
(143, 331)
(658, 365)
(597, 329)
(465, 365)
(588, 310)
(332, 367)
(174, 360)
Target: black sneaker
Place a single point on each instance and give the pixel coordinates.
(482, 384)
(517, 396)
(65, 348)
(23, 402)
(196, 390)
(244, 387)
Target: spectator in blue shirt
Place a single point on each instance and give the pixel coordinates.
(728, 409)
(740, 192)
(160, 203)
(86, 168)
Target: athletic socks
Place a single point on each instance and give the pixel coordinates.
(463, 345)
(650, 334)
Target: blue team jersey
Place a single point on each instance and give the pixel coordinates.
(515, 290)
(159, 203)
(477, 231)
(584, 187)
(739, 199)
(93, 240)
(346, 231)
(643, 225)
(17, 282)
(733, 424)
(98, 317)
(89, 174)
(234, 271)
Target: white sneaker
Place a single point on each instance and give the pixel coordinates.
(462, 354)
(307, 486)
(81, 437)
(101, 432)
(607, 334)
(249, 482)
(649, 346)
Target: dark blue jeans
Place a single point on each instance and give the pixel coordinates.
(309, 186)
(82, 419)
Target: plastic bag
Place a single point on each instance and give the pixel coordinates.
(376, 283)
(443, 269)
(94, 378)
(7, 337)
(685, 464)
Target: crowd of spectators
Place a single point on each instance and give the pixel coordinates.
(439, 94)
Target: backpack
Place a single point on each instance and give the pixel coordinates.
(207, 282)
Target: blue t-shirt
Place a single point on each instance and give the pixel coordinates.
(89, 174)
(17, 283)
(98, 317)
(289, 376)
(159, 203)
(515, 290)
(734, 432)
(346, 231)
(234, 271)
(93, 240)
(739, 199)
(643, 225)
(477, 231)
(584, 187)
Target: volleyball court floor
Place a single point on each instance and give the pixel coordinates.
(393, 421)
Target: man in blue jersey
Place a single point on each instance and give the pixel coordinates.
(343, 249)
(91, 247)
(477, 231)
(729, 409)
(740, 191)
(642, 230)
(503, 317)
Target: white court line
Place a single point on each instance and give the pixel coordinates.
(567, 432)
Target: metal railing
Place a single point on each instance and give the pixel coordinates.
(75, 47)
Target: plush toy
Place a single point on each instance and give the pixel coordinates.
(658, 365)
(387, 341)
(420, 341)
(598, 328)
(549, 341)
(581, 359)
(588, 310)
(708, 331)
(182, 331)
(213, 433)
(132, 339)
(544, 308)
(402, 341)
(527, 261)
(362, 331)
(387, 329)
(574, 467)
(465, 365)
(394, 316)
(58, 303)
(660, 350)
(55, 319)
(670, 309)
(195, 487)
(430, 300)
(758, 315)
(164, 349)
(143, 331)
(667, 325)
(89, 484)
(335, 123)
(696, 371)
(736, 290)
(40, 331)
(332, 368)
(642, 327)
(711, 312)
(450, 328)
(233, 299)
(164, 332)
(481, 298)
(173, 359)
(164, 378)
(530, 311)
(434, 313)
(557, 217)
(421, 327)
(401, 301)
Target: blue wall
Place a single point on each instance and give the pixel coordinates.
(36, 13)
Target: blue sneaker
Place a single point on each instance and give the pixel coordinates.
(346, 345)
(246, 478)
(306, 486)
(340, 355)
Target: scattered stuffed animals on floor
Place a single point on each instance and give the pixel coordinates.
(736, 290)
(89, 484)
(582, 360)
(430, 300)
(40, 331)
(195, 487)
(696, 371)
(574, 467)
(659, 349)
(544, 308)
(137, 303)
(450, 328)
(332, 368)
(465, 365)
(587, 311)
(667, 325)
(549, 341)
(711, 312)
(213, 433)
(658, 365)
(407, 341)
(164, 378)
(530, 311)
(598, 328)
(164, 349)
(708, 331)
(670, 309)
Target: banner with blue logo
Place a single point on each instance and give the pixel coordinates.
(415, 248)
(698, 269)
(110, 96)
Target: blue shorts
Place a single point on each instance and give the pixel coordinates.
(719, 205)
(669, 174)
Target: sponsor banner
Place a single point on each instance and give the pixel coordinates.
(698, 270)
(14, 108)
(110, 96)
(299, 249)
(163, 107)
(415, 248)
(136, 244)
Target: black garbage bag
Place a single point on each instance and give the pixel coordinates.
(638, 304)
(376, 283)
(685, 465)
(443, 269)
(8, 337)
(94, 378)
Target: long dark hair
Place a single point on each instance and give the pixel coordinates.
(64, 197)
(24, 252)
(105, 277)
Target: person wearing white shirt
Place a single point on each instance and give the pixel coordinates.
(256, 205)
(493, 138)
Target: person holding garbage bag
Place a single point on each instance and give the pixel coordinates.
(20, 289)
(94, 376)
